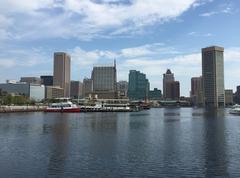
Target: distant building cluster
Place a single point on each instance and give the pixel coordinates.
(206, 90)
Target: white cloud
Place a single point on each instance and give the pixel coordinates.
(222, 9)
(147, 50)
(15, 63)
(197, 34)
(84, 58)
(88, 58)
(22, 58)
(208, 14)
(24, 6)
(232, 55)
(7, 63)
(86, 19)
(178, 64)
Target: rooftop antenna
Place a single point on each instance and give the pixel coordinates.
(115, 62)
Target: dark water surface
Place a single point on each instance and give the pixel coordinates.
(155, 143)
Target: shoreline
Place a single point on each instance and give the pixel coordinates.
(14, 109)
(18, 109)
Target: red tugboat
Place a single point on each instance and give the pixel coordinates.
(62, 107)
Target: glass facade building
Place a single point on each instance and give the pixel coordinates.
(138, 86)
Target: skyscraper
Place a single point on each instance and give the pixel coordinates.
(105, 81)
(175, 90)
(61, 72)
(76, 88)
(171, 88)
(237, 95)
(213, 76)
(228, 97)
(138, 86)
(87, 87)
(196, 91)
(167, 77)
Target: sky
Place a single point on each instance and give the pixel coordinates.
(146, 35)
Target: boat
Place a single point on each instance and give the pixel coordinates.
(235, 109)
(104, 106)
(62, 107)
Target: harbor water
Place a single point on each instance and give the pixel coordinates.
(161, 142)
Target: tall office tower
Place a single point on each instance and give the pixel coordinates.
(228, 97)
(213, 76)
(87, 87)
(105, 81)
(138, 86)
(167, 77)
(175, 90)
(76, 88)
(196, 91)
(172, 90)
(61, 72)
(237, 95)
(47, 80)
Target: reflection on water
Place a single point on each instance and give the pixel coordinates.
(171, 142)
(171, 114)
(215, 143)
(58, 147)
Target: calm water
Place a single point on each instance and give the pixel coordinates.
(156, 143)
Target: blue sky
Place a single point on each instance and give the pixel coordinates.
(147, 35)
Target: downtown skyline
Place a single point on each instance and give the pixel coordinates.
(151, 42)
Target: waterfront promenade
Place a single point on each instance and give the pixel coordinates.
(8, 109)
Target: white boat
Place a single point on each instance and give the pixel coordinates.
(62, 107)
(107, 107)
(235, 109)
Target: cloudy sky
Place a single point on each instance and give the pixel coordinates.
(147, 35)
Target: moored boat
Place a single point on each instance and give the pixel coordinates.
(62, 107)
(235, 109)
(107, 107)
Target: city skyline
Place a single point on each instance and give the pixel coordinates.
(150, 42)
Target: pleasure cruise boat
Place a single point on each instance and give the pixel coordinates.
(62, 107)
